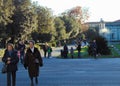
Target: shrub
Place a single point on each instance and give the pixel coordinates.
(102, 46)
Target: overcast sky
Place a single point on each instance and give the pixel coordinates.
(109, 10)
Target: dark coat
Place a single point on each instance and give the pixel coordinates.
(94, 46)
(14, 60)
(21, 48)
(33, 67)
(45, 48)
(65, 49)
(79, 48)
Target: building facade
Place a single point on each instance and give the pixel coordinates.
(109, 30)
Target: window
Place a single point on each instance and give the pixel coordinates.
(112, 36)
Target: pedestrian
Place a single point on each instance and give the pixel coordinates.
(11, 59)
(90, 49)
(45, 48)
(72, 52)
(32, 61)
(65, 49)
(94, 48)
(49, 51)
(79, 49)
(21, 51)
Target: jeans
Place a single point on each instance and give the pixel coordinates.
(22, 58)
(11, 75)
(49, 54)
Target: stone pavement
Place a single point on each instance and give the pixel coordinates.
(72, 72)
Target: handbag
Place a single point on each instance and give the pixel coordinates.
(4, 69)
(36, 61)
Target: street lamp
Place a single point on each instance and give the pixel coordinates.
(104, 31)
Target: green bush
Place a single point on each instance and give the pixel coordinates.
(102, 46)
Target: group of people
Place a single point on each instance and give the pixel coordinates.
(32, 62)
(78, 48)
(32, 59)
(65, 51)
(92, 49)
(47, 50)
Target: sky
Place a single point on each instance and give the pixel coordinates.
(108, 10)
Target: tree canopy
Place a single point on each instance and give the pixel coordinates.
(21, 19)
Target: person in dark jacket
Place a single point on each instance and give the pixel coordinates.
(65, 51)
(11, 59)
(79, 49)
(33, 60)
(94, 48)
(21, 50)
(45, 49)
(72, 52)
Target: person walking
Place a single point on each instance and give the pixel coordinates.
(65, 51)
(79, 49)
(94, 48)
(21, 51)
(49, 51)
(11, 59)
(45, 49)
(32, 61)
(72, 52)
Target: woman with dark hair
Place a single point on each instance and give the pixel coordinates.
(33, 60)
(10, 59)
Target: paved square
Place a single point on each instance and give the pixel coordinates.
(72, 72)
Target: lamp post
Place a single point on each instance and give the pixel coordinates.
(104, 31)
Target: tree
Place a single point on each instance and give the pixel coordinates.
(74, 20)
(91, 33)
(72, 27)
(24, 20)
(21, 19)
(79, 13)
(60, 29)
(6, 11)
(45, 24)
